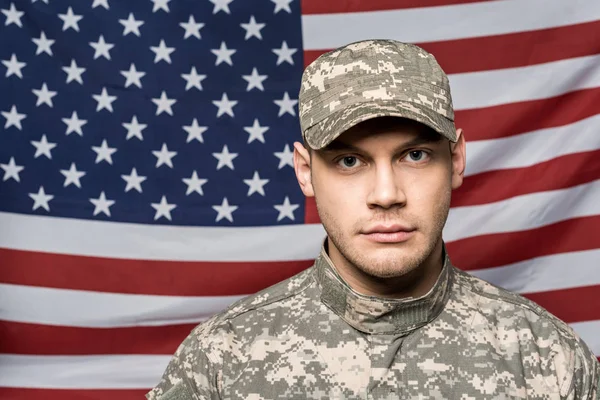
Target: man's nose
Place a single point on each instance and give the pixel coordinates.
(386, 189)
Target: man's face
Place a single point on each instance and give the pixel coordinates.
(382, 191)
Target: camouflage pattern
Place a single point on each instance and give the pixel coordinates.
(373, 78)
(313, 337)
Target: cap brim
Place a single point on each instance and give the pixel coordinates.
(326, 131)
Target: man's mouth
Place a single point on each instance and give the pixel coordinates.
(394, 233)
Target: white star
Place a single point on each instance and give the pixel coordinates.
(43, 147)
(253, 28)
(286, 157)
(102, 48)
(193, 79)
(74, 72)
(13, 66)
(44, 95)
(103, 3)
(256, 185)
(286, 105)
(43, 44)
(221, 5)
(13, 118)
(225, 105)
(41, 199)
(72, 176)
(131, 25)
(160, 4)
(104, 100)
(134, 181)
(254, 80)
(133, 76)
(163, 104)
(282, 5)
(104, 152)
(134, 129)
(224, 210)
(223, 54)
(286, 210)
(225, 158)
(256, 132)
(163, 209)
(74, 124)
(11, 170)
(44, 1)
(285, 53)
(192, 28)
(194, 184)
(102, 204)
(162, 52)
(164, 156)
(195, 131)
(70, 20)
(13, 16)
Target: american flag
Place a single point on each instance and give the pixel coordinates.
(147, 180)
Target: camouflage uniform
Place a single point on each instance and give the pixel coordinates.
(313, 337)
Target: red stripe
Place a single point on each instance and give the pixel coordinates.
(175, 278)
(508, 50)
(566, 304)
(341, 6)
(63, 394)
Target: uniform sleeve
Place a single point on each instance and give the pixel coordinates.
(585, 384)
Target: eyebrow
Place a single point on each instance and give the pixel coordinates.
(340, 146)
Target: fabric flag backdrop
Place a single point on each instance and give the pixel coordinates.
(147, 177)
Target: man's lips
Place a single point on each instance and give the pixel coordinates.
(395, 233)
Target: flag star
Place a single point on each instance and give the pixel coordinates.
(133, 76)
(192, 28)
(13, 16)
(164, 104)
(43, 44)
(13, 66)
(254, 80)
(103, 3)
(193, 79)
(74, 124)
(41, 199)
(164, 156)
(44, 1)
(285, 53)
(160, 5)
(163, 209)
(74, 72)
(253, 28)
(102, 204)
(223, 54)
(194, 184)
(104, 100)
(13, 118)
(256, 185)
(11, 170)
(43, 147)
(134, 181)
(195, 131)
(286, 105)
(282, 5)
(72, 176)
(286, 157)
(286, 210)
(134, 128)
(221, 5)
(131, 25)
(224, 210)
(102, 48)
(103, 152)
(162, 52)
(225, 158)
(70, 20)
(44, 95)
(225, 105)
(256, 132)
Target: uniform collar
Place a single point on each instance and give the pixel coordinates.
(377, 315)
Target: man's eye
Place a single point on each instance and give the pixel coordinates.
(348, 162)
(417, 155)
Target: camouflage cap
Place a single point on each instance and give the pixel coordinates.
(373, 78)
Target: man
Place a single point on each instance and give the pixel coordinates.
(382, 313)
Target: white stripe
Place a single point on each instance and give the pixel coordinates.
(432, 24)
(157, 242)
(541, 274)
(588, 331)
(523, 212)
(532, 148)
(40, 305)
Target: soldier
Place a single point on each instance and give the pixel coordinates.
(382, 313)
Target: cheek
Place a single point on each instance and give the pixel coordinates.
(429, 196)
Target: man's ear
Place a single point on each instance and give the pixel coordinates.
(458, 152)
(302, 167)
